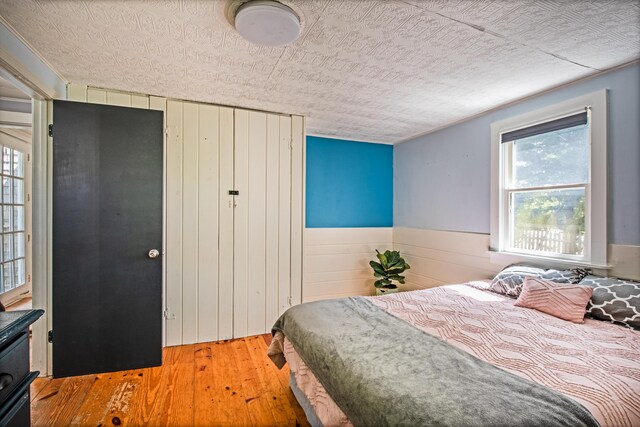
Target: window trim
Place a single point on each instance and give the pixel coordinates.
(26, 288)
(595, 252)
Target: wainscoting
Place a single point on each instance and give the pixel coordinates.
(443, 257)
(336, 261)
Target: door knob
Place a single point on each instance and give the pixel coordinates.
(154, 253)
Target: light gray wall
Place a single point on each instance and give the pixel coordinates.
(442, 180)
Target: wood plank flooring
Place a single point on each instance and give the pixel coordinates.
(226, 383)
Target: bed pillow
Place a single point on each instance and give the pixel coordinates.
(574, 275)
(509, 281)
(565, 301)
(614, 300)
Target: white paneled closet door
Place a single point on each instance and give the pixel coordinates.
(233, 262)
(264, 210)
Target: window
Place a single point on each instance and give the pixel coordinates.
(12, 212)
(550, 184)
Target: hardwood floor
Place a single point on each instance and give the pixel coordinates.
(211, 384)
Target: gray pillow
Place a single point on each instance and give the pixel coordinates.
(614, 300)
(572, 276)
(509, 281)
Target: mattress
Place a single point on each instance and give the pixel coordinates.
(595, 363)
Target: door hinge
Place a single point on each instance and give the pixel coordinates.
(289, 301)
(167, 315)
(28, 157)
(291, 144)
(50, 336)
(50, 130)
(166, 131)
(29, 278)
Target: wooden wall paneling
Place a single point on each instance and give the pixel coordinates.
(336, 261)
(256, 249)
(76, 92)
(284, 215)
(207, 225)
(173, 251)
(241, 223)
(96, 96)
(160, 104)
(297, 206)
(226, 224)
(140, 101)
(272, 217)
(190, 223)
(443, 257)
(119, 98)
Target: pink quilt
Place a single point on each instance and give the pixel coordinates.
(596, 363)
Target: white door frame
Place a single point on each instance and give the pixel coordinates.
(40, 218)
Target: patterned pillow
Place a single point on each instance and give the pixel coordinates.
(614, 300)
(562, 300)
(509, 281)
(574, 275)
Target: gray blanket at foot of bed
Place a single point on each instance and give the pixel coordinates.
(382, 371)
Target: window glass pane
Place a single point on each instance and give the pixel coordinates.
(18, 164)
(548, 221)
(7, 183)
(18, 272)
(7, 276)
(7, 247)
(1, 251)
(18, 245)
(18, 191)
(18, 218)
(7, 223)
(6, 160)
(553, 158)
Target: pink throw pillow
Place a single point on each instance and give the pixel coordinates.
(567, 302)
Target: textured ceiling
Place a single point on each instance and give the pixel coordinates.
(368, 70)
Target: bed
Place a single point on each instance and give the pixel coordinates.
(456, 355)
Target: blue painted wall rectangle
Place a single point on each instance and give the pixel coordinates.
(349, 184)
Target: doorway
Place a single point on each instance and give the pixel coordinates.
(15, 197)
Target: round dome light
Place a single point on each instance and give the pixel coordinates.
(267, 23)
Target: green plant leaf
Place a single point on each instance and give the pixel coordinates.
(383, 259)
(382, 283)
(377, 269)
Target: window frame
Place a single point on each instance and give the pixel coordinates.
(25, 288)
(595, 243)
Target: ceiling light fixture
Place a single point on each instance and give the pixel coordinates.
(267, 23)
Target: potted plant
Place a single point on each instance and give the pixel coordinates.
(389, 268)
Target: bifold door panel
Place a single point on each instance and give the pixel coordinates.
(229, 209)
(107, 220)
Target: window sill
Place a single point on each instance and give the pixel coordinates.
(505, 258)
